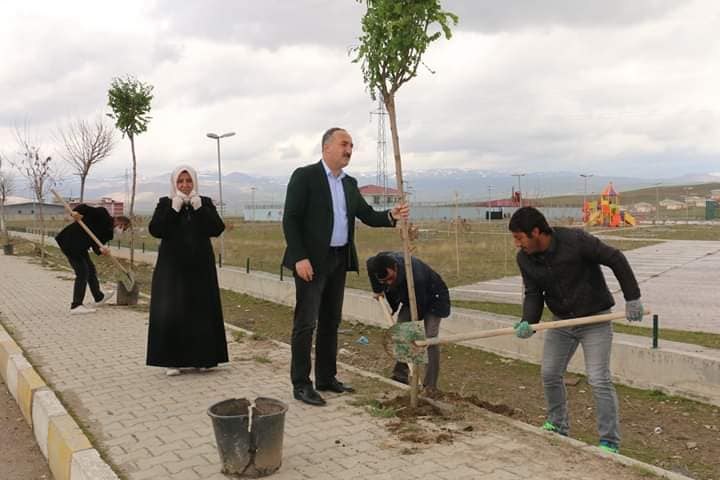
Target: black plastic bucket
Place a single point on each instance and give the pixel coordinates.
(249, 447)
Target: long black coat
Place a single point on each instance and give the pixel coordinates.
(186, 321)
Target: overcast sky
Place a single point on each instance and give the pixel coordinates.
(587, 86)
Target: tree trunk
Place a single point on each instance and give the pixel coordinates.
(414, 370)
(42, 231)
(390, 106)
(82, 187)
(132, 205)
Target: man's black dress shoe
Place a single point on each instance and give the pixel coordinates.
(308, 395)
(335, 386)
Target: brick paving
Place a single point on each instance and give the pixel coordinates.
(155, 427)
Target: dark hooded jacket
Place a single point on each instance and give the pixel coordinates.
(568, 276)
(74, 240)
(431, 293)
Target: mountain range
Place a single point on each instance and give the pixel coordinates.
(438, 185)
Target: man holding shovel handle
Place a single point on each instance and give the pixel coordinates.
(561, 268)
(386, 271)
(74, 242)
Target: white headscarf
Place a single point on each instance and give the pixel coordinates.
(176, 173)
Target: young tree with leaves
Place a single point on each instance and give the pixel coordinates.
(84, 145)
(130, 101)
(396, 34)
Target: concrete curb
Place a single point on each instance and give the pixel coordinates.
(67, 449)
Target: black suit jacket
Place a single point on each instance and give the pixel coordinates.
(308, 218)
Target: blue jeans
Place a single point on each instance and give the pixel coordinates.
(560, 346)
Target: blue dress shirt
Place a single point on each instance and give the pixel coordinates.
(340, 220)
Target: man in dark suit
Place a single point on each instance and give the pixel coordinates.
(321, 205)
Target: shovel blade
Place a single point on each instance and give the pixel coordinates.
(403, 334)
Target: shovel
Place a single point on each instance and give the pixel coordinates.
(126, 278)
(411, 341)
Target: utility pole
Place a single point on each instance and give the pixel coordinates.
(381, 175)
(457, 227)
(657, 203)
(489, 209)
(585, 177)
(252, 201)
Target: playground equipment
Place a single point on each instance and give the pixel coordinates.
(607, 211)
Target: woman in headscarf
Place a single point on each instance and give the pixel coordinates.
(186, 322)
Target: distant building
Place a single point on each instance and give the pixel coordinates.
(695, 201)
(670, 204)
(643, 207)
(19, 211)
(113, 207)
(715, 194)
(378, 196)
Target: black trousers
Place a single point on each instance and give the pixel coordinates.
(318, 303)
(85, 275)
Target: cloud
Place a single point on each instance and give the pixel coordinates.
(271, 24)
(513, 15)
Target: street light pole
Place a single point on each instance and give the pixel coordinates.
(252, 201)
(657, 203)
(217, 138)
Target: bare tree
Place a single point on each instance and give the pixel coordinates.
(7, 188)
(40, 174)
(85, 144)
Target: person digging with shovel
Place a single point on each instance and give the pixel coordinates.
(74, 242)
(561, 268)
(387, 278)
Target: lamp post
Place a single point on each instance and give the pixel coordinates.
(657, 203)
(518, 175)
(252, 201)
(217, 138)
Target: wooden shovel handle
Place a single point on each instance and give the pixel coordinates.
(386, 311)
(571, 322)
(87, 230)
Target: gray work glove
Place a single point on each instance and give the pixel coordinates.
(634, 310)
(523, 330)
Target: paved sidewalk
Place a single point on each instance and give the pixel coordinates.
(154, 427)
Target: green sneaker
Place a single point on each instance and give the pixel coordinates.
(609, 447)
(551, 427)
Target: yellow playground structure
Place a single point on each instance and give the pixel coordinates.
(607, 211)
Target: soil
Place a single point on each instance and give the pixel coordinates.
(20, 457)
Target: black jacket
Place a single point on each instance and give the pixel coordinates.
(431, 293)
(74, 239)
(568, 276)
(308, 217)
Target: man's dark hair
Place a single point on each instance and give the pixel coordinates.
(377, 266)
(123, 219)
(525, 219)
(328, 135)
